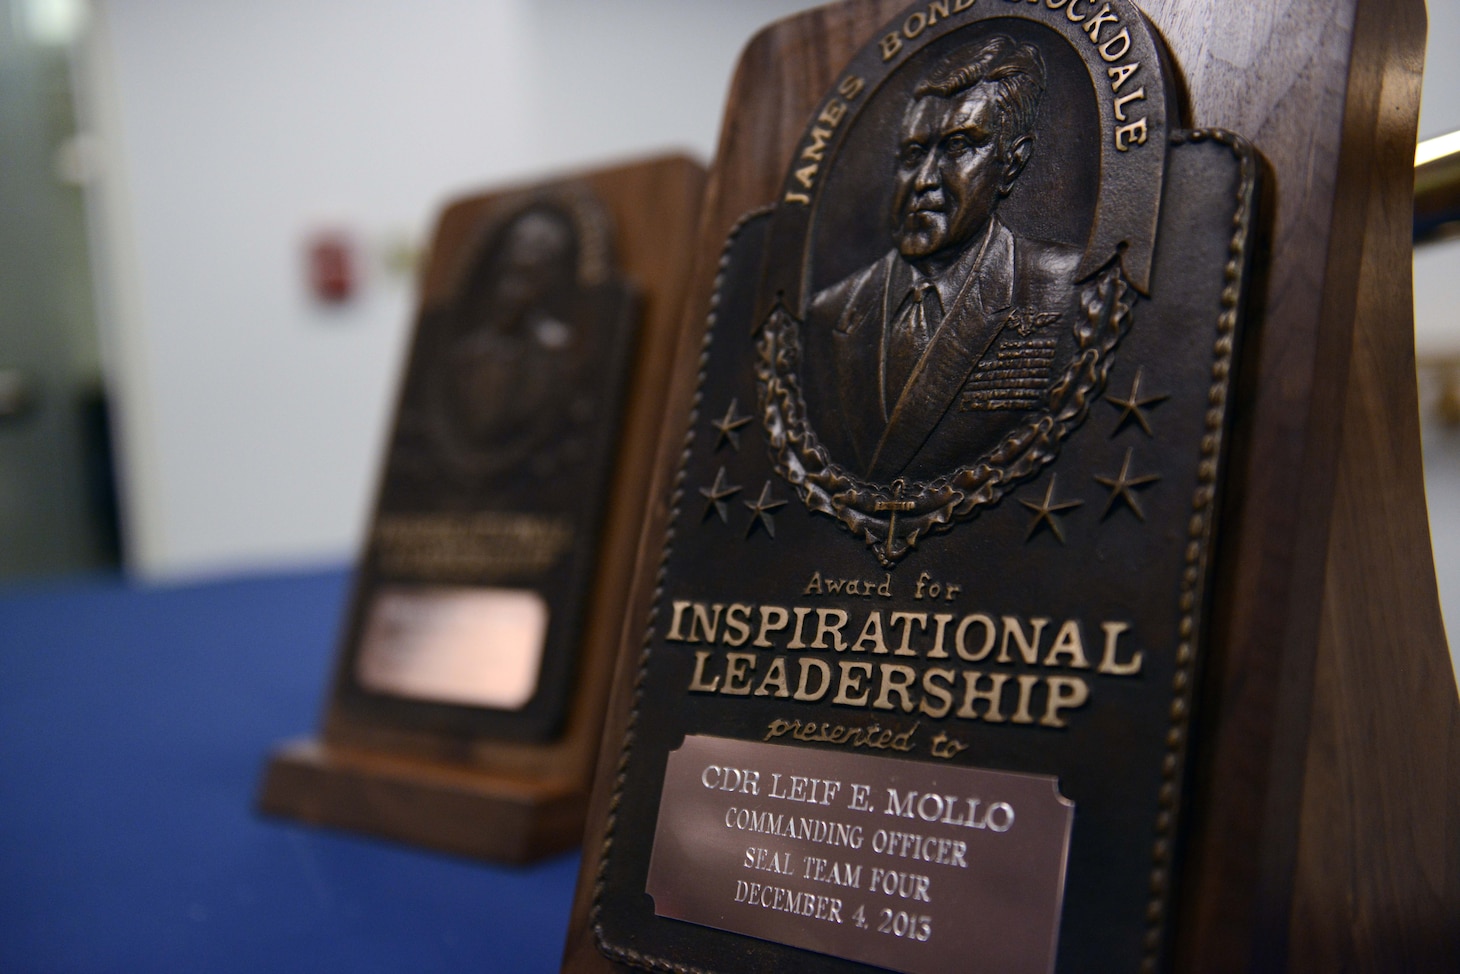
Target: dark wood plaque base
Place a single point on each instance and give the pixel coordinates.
(442, 776)
(434, 804)
(1324, 806)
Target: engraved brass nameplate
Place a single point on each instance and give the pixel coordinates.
(910, 866)
(950, 483)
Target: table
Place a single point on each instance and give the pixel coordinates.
(134, 724)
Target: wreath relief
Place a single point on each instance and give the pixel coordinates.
(892, 517)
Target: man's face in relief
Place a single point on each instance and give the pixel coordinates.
(951, 171)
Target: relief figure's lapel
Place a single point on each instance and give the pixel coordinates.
(969, 327)
(858, 340)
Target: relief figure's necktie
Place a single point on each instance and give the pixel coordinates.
(910, 336)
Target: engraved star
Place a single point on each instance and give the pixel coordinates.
(1132, 407)
(729, 426)
(716, 494)
(760, 511)
(1045, 511)
(1120, 488)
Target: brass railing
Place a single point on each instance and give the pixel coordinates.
(1437, 189)
(1436, 218)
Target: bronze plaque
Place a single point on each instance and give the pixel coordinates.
(912, 867)
(948, 494)
(470, 597)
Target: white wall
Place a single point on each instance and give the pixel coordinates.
(250, 418)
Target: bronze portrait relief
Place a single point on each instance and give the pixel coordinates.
(515, 350)
(956, 273)
(922, 383)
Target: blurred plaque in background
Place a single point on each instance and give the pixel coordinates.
(1012, 595)
(497, 476)
(467, 696)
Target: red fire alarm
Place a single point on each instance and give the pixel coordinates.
(332, 266)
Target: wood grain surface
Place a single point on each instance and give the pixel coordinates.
(1377, 884)
(1324, 831)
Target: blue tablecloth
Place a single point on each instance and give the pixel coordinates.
(134, 724)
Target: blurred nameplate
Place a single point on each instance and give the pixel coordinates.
(427, 644)
(480, 557)
(945, 518)
(909, 866)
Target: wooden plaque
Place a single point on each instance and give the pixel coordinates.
(473, 671)
(1305, 801)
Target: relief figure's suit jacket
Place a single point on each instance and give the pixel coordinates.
(1006, 333)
